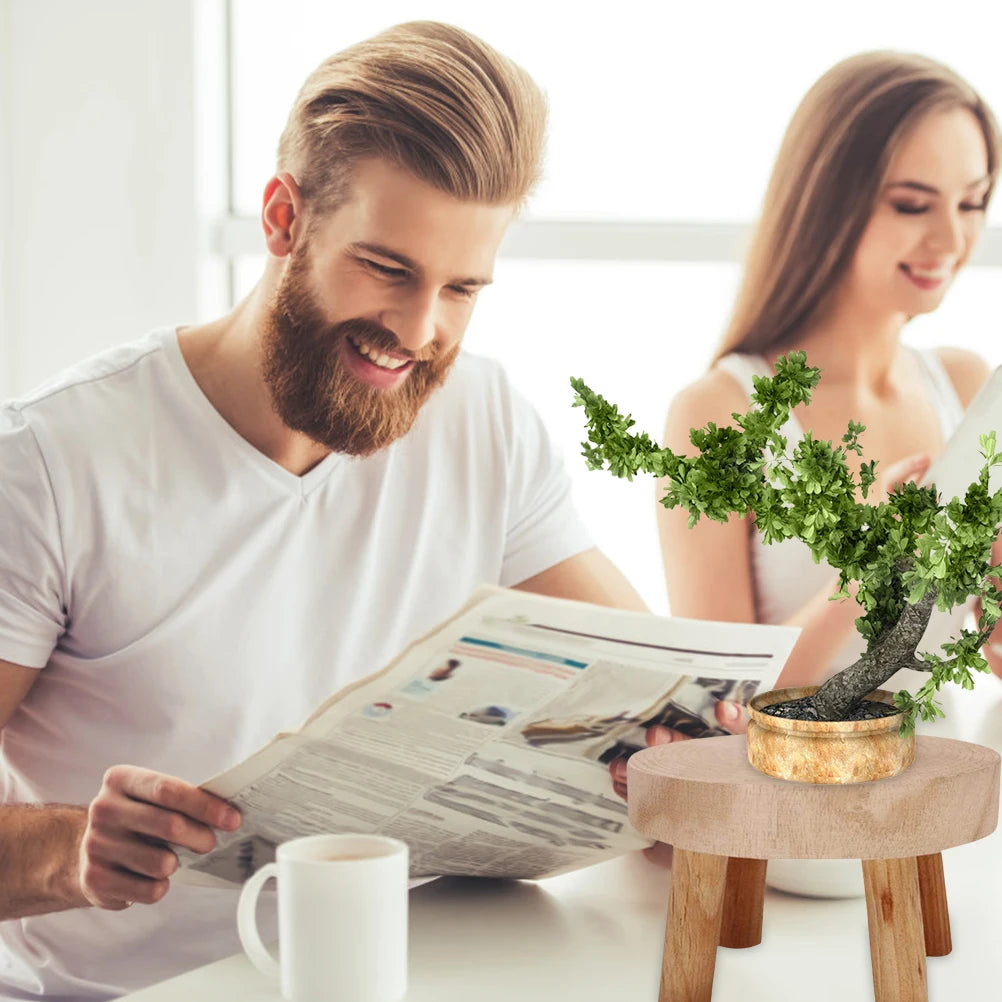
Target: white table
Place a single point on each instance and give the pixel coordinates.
(596, 935)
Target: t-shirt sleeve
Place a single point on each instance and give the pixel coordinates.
(31, 576)
(544, 527)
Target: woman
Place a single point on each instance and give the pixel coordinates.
(877, 199)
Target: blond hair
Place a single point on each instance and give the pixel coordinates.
(430, 97)
(825, 184)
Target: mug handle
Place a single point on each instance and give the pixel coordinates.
(260, 956)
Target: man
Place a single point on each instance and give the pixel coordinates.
(205, 532)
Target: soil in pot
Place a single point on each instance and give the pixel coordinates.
(803, 709)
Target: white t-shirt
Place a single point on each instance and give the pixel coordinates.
(186, 598)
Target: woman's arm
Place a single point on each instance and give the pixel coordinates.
(967, 371)
(708, 567)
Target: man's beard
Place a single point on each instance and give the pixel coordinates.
(312, 389)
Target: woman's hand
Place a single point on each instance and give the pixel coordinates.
(911, 468)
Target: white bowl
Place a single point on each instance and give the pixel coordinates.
(817, 878)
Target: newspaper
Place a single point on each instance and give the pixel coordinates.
(485, 744)
(957, 467)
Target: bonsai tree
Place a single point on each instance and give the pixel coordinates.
(898, 558)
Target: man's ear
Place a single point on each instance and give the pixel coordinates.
(281, 214)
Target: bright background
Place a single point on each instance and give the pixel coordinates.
(136, 137)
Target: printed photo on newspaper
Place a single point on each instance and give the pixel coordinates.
(485, 744)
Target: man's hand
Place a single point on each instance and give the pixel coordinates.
(731, 716)
(124, 856)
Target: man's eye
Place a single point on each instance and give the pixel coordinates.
(383, 269)
(908, 209)
(464, 291)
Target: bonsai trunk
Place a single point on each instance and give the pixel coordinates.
(894, 650)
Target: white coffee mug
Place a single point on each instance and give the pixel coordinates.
(342, 918)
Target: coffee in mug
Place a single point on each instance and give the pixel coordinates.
(347, 856)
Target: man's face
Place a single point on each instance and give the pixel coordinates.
(372, 306)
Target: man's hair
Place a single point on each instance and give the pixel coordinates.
(826, 181)
(429, 97)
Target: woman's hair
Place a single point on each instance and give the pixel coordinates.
(826, 181)
(429, 97)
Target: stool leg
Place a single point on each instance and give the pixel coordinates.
(935, 914)
(693, 930)
(894, 916)
(744, 897)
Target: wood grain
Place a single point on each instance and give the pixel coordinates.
(695, 906)
(704, 796)
(744, 899)
(897, 941)
(935, 915)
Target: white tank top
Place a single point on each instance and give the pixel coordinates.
(785, 573)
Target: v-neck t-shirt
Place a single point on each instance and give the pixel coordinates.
(185, 598)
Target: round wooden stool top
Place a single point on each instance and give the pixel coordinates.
(704, 796)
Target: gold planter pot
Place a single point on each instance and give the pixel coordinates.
(826, 751)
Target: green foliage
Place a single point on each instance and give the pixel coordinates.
(894, 550)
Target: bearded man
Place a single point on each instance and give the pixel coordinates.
(205, 532)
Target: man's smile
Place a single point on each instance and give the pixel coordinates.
(378, 357)
(372, 366)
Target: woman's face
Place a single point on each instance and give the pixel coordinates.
(929, 214)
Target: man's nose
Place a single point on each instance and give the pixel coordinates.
(414, 323)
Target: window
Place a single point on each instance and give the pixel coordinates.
(663, 112)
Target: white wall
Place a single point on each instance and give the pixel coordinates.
(100, 237)
(6, 199)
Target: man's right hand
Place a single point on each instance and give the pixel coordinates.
(124, 852)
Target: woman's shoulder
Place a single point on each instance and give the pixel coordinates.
(967, 370)
(715, 396)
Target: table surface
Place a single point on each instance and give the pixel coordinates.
(597, 934)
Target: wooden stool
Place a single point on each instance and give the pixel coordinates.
(726, 820)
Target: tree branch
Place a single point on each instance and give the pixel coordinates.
(836, 698)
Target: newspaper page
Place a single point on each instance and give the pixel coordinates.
(957, 467)
(485, 745)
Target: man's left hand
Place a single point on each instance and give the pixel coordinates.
(731, 716)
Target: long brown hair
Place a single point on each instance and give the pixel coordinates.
(826, 181)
